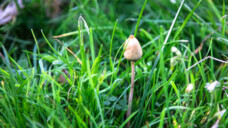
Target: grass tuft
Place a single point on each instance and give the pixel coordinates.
(73, 73)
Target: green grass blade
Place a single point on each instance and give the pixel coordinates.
(145, 93)
(186, 20)
(82, 49)
(92, 45)
(124, 123)
(162, 118)
(140, 15)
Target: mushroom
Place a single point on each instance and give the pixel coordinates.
(132, 52)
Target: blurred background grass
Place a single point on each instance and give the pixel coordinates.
(56, 17)
(206, 27)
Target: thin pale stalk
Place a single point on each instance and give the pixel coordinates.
(131, 92)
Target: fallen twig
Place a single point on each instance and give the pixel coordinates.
(222, 61)
(70, 52)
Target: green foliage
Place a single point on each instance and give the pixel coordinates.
(42, 84)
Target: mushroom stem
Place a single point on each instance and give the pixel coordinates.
(131, 92)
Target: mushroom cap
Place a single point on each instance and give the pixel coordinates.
(133, 50)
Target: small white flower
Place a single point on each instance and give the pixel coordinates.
(149, 63)
(176, 51)
(189, 88)
(211, 86)
(173, 1)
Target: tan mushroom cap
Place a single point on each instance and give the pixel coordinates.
(133, 50)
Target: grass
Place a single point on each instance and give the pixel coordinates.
(95, 90)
